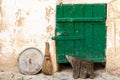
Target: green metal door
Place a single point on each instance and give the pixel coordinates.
(81, 31)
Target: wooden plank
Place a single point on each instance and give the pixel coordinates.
(99, 32)
(59, 30)
(99, 10)
(60, 49)
(68, 37)
(68, 11)
(69, 29)
(88, 19)
(99, 39)
(88, 33)
(69, 47)
(59, 11)
(79, 31)
(59, 14)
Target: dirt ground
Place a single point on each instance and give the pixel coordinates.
(64, 74)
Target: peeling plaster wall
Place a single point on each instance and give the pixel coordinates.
(23, 24)
(81, 1)
(113, 38)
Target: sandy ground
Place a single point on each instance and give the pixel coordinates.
(64, 74)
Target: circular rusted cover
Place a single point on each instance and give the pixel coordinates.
(30, 61)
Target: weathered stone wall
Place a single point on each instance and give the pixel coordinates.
(23, 24)
(113, 37)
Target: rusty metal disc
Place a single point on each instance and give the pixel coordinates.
(30, 61)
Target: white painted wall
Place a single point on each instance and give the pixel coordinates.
(23, 24)
(113, 38)
(82, 1)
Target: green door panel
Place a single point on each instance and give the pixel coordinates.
(99, 10)
(99, 39)
(88, 12)
(81, 31)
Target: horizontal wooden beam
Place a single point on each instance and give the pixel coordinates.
(81, 19)
(67, 37)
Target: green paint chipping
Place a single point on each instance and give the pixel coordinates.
(81, 31)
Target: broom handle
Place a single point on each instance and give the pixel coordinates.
(47, 53)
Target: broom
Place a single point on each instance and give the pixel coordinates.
(47, 67)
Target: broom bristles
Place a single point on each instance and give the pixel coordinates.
(47, 67)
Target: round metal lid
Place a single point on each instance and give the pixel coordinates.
(30, 61)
